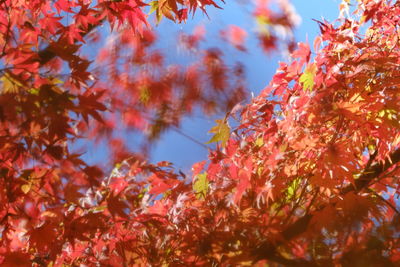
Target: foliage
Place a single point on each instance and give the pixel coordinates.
(308, 177)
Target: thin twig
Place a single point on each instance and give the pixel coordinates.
(384, 200)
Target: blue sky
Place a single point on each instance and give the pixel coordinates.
(259, 67)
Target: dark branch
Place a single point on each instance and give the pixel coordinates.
(267, 250)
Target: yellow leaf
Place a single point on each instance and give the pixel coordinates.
(292, 189)
(56, 81)
(48, 213)
(99, 208)
(34, 91)
(10, 84)
(260, 170)
(201, 184)
(144, 95)
(153, 6)
(221, 133)
(263, 24)
(26, 188)
(259, 142)
(307, 78)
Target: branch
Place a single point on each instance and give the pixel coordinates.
(373, 171)
(267, 250)
(390, 205)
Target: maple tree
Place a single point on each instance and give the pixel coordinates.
(307, 176)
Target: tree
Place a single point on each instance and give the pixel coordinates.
(308, 176)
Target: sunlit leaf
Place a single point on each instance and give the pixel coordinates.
(307, 78)
(26, 188)
(221, 132)
(10, 84)
(200, 186)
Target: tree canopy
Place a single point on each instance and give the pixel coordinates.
(306, 173)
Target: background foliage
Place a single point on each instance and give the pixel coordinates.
(306, 173)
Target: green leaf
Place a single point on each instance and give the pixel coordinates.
(307, 78)
(98, 209)
(200, 186)
(221, 132)
(34, 91)
(292, 189)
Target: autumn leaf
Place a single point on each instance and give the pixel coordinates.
(200, 185)
(16, 259)
(116, 205)
(153, 6)
(144, 96)
(160, 185)
(304, 179)
(118, 184)
(292, 188)
(221, 132)
(236, 36)
(243, 185)
(197, 167)
(26, 188)
(307, 78)
(10, 84)
(43, 237)
(259, 142)
(303, 53)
